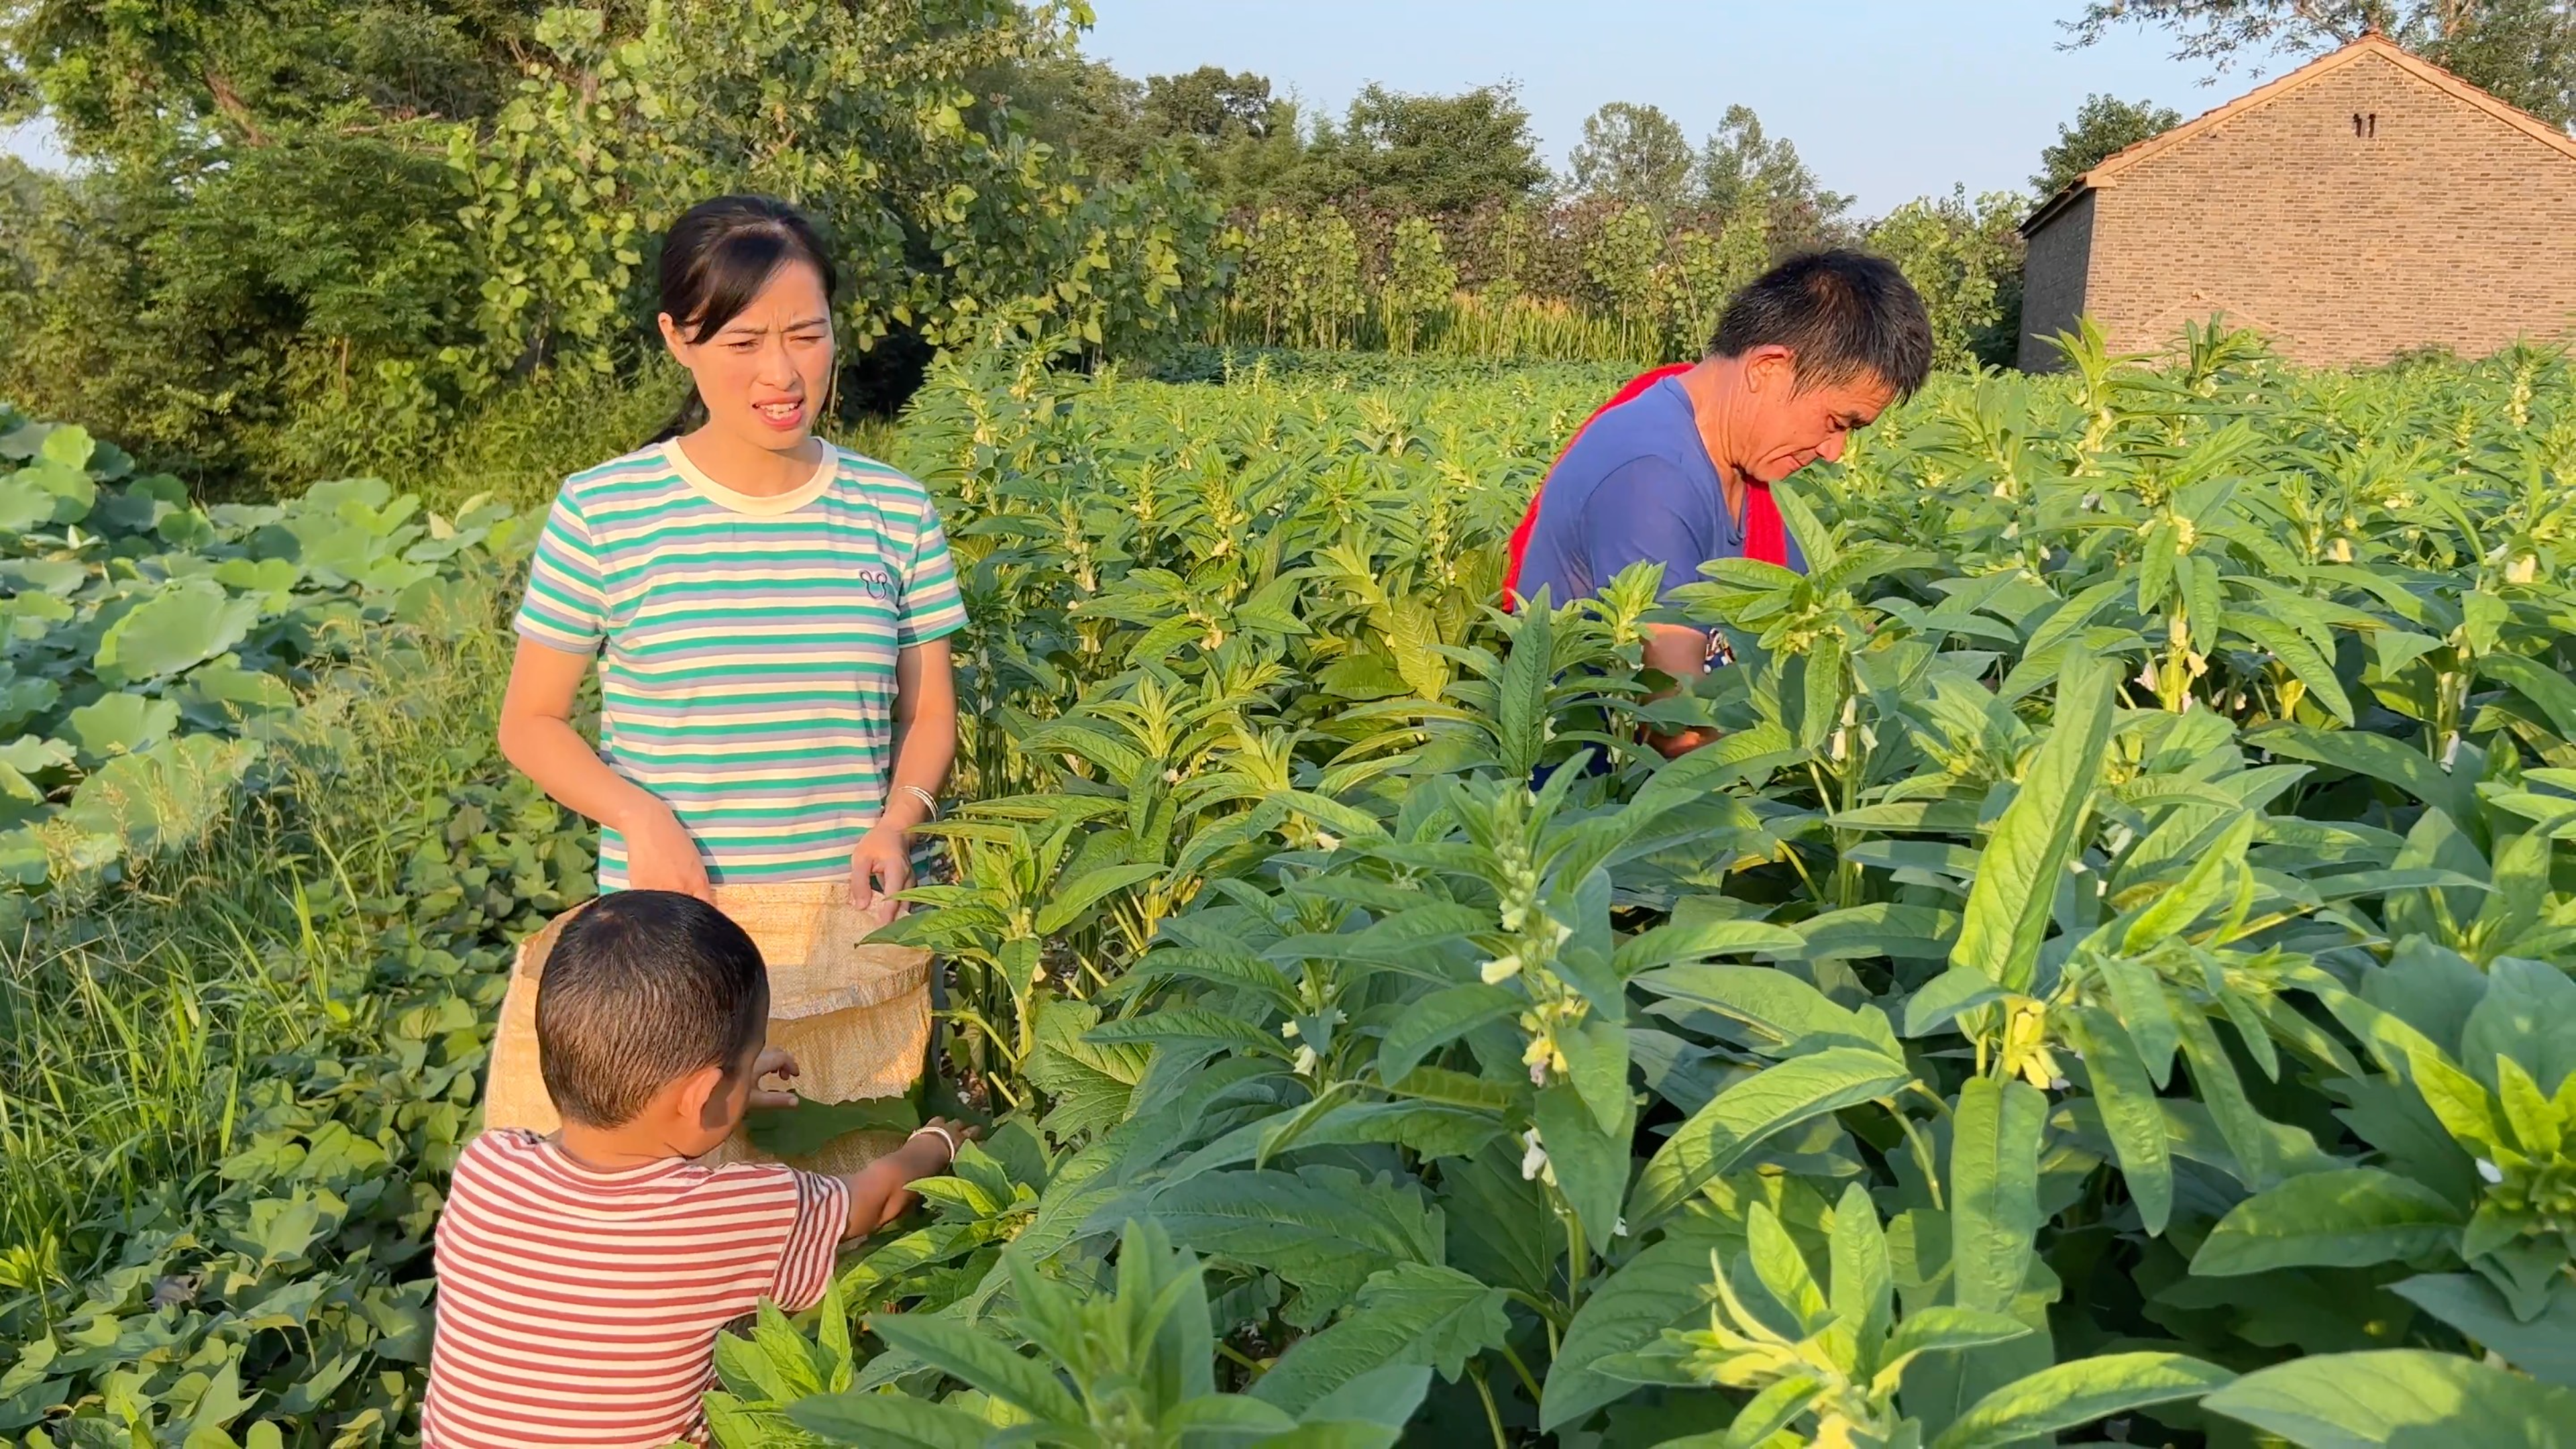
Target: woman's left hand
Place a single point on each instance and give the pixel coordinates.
(880, 869)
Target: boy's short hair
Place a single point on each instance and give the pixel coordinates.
(641, 989)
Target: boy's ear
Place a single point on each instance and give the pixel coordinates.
(701, 1096)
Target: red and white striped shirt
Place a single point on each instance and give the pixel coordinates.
(577, 1306)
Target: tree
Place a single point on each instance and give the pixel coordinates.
(1633, 153)
(2102, 125)
(2521, 50)
(1209, 105)
(1740, 164)
(1965, 259)
(1428, 155)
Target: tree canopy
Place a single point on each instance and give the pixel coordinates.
(2102, 125)
(2523, 51)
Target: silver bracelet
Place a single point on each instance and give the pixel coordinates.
(928, 801)
(943, 1136)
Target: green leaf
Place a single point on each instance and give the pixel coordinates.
(1412, 1313)
(1070, 899)
(1596, 1062)
(1091, 1082)
(2377, 756)
(121, 724)
(2037, 835)
(1942, 1328)
(1782, 1269)
(971, 1356)
(2544, 1347)
(2138, 998)
(1591, 1164)
(2528, 1016)
(2537, 682)
(1784, 1009)
(1743, 1115)
(2297, 654)
(1325, 1230)
(2368, 1400)
(1945, 996)
(1994, 1190)
(2068, 1394)
(896, 1420)
(2343, 1218)
(1864, 1286)
(809, 1127)
(1669, 1284)
(1667, 945)
(1189, 1026)
(1435, 1020)
(183, 625)
(2131, 1116)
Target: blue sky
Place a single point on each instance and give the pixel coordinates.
(1886, 100)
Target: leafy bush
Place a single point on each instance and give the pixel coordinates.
(235, 1081)
(153, 643)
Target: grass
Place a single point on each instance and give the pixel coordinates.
(137, 1024)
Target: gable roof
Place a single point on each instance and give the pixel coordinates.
(2106, 172)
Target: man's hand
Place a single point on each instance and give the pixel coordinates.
(1682, 653)
(772, 1063)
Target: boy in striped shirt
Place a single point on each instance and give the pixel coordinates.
(582, 1278)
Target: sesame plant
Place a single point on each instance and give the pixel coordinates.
(2109, 977)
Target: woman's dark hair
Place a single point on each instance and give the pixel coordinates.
(717, 257)
(1844, 314)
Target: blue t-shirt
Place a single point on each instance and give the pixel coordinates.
(1637, 486)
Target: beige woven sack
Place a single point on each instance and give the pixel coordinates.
(856, 1017)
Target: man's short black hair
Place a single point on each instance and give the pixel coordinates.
(641, 989)
(1845, 314)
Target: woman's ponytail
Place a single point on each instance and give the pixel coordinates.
(691, 417)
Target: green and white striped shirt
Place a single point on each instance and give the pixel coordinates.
(747, 646)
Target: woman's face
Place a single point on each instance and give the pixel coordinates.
(765, 373)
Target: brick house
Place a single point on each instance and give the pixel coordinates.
(2364, 204)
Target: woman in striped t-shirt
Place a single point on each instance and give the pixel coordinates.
(770, 613)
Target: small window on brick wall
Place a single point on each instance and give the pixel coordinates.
(2365, 125)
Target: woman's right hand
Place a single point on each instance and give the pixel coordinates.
(660, 856)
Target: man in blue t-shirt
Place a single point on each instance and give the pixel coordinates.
(1681, 474)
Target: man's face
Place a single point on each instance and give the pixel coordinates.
(1782, 427)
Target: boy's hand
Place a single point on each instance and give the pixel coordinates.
(881, 867)
(935, 1160)
(772, 1063)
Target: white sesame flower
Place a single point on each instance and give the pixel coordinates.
(1327, 841)
(1619, 1229)
(1288, 1030)
(1501, 969)
(1534, 1159)
(1513, 916)
(1304, 1066)
(2490, 1171)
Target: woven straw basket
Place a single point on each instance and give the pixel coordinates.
(856, 1017)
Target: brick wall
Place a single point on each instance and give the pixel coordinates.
(2440, 225)
(2052, 283)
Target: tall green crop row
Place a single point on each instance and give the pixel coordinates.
(2111, 972)
(2109, 978)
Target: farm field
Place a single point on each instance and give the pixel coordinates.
(2110, 979)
